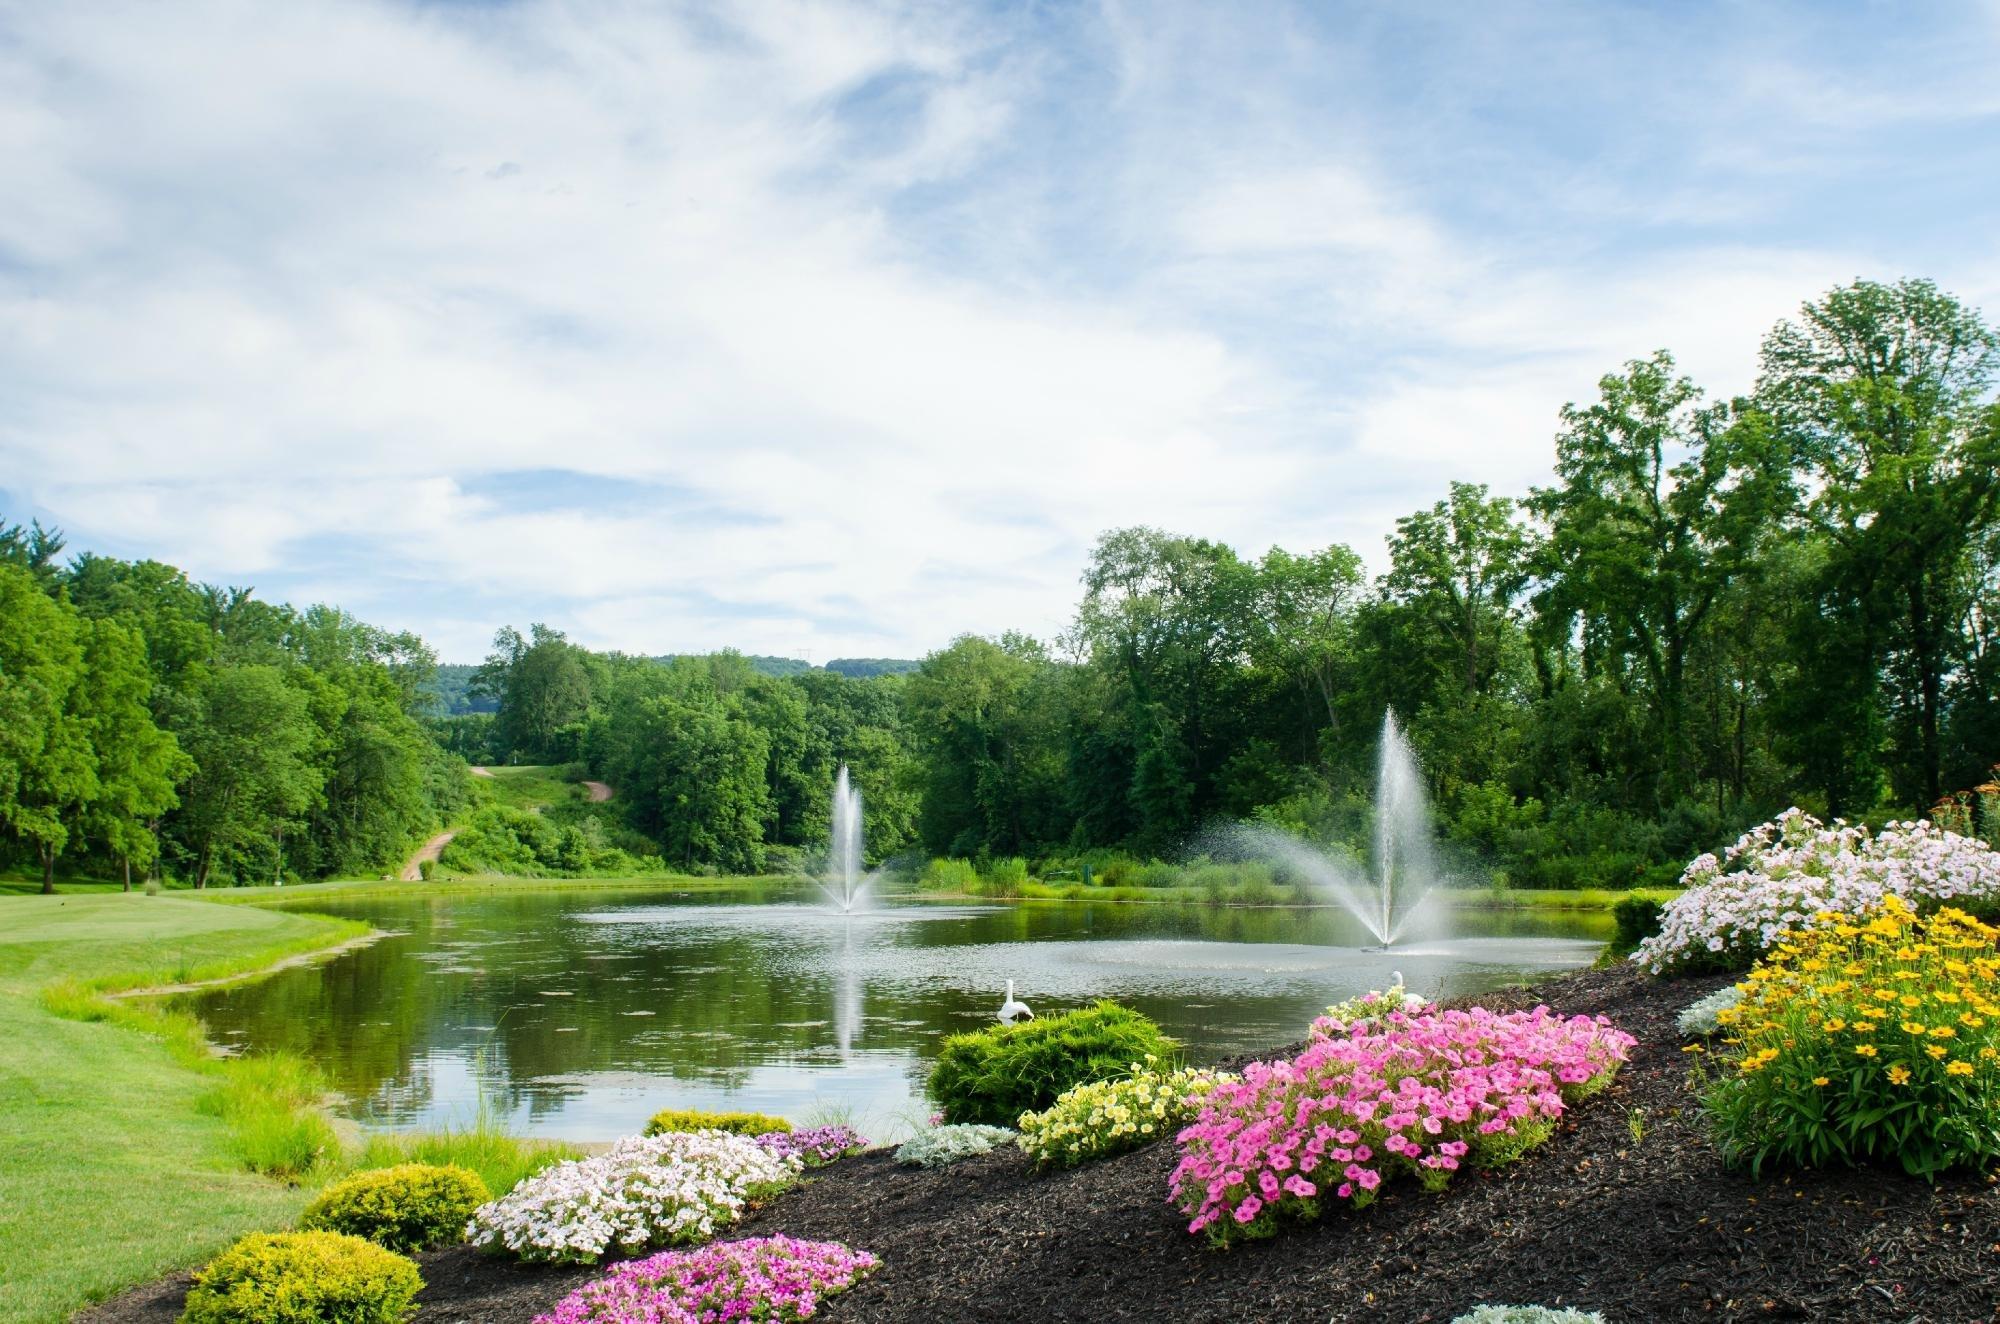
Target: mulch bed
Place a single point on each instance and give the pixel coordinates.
(1653, 1228)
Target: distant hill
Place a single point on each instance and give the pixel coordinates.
(450, 685)
(861, 668)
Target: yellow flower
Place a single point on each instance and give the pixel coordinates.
(1835, 1024)
(1936, 1050)
(1899, 1074)
(1821, 1081)
(1958, 1069)
(1943, 1032)
(1913, 1027)
(1864, 1050)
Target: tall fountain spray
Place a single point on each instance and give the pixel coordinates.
(844, 883)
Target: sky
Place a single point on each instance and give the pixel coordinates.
(828, 329)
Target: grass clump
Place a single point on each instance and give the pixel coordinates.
(412, 1206)
(501, 1161)
(670, 1120)
(993, 1076)
(304, 1278)
(270, 1104)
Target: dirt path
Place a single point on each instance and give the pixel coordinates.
(599, 792)
(482, 772)
(430, 850)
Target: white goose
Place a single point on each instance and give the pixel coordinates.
(1410, 1000)
(1011, 1011)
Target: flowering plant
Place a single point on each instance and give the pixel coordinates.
(1421, 1094)
(1368, 1009)
(816, 1146)
(1111, 1116)
(646, 1191)
(937, 1146)
(762, 1278)
(1702, 1017)
(1782, 873)
(1872, 1038)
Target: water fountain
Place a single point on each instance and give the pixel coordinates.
(844, 883)
(1386, 898)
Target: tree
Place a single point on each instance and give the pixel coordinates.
(544, 691)
(32, 548)
(137, 764)
(48, 771)
(1883, 394)
(252, 741)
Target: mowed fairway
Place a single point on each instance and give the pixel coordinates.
(108, 1174)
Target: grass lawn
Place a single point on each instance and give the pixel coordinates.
(531, 787)
(108, 1173)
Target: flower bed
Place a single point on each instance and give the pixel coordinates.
(763, 1278)
(1109, 1117)
(816, 1146)
(1874, 1039)
(1421, 1094)
(1779, 875)
(670, 1189)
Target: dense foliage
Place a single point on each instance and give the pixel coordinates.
(1422, 1094)
(992, 1076)
(303, 1278)
(1866, 1039)
(778, 1279)
(411, 1206)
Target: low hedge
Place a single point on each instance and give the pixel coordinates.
(670, 1120)
(412, 1206)
(304, 1278)
(993, 1076)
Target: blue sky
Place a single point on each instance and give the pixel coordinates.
(828, 329)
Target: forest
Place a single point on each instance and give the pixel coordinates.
(1713, 610)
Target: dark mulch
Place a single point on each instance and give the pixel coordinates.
(1643, 1230)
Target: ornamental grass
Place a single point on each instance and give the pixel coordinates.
(1419, 1095)
(1865, 1039)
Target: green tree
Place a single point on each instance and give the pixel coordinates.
(137, 764)
(1884, 395)
(48, 771)
(544, 690)
(252, 739)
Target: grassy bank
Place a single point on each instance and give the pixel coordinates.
(1289, 894)
(308, 893)
(120, 1159)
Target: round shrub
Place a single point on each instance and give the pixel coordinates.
(993, 1076)
(1109, 1117)
(666, 1190)
(412, 1206)
(304, 1278)
(941, 1146)
(1872, 1039)
(669, 1121)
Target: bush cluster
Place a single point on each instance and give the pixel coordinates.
(304, 1278)
(992, 1076)
(1780, 874)
(1418, 1094)
(412, 1206)
(1871, 1039)
(664, 1190)
(671, 1120)
(940, 1146)
(1109, 1117)
(778, 1279)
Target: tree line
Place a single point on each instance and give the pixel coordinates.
(1714, 609)
(149, 723)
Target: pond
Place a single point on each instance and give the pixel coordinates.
(577, 1014)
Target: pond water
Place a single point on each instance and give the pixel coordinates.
(577, 1014)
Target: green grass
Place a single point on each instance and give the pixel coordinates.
(120, 1160)
(531, 787)
(501, 1160)
(1258, 893)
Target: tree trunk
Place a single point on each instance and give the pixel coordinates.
(201, 869)
(126, 860)
(48, 871)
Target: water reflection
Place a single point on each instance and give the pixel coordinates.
(578, 1014)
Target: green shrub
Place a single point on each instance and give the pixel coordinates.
(1637, 918)
(1010, 872)
(993, 1076)
(304, 1278)
(693, 1119)
(413, 1206)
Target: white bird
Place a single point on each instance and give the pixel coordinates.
(1010, 1010)
(1409, 999)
